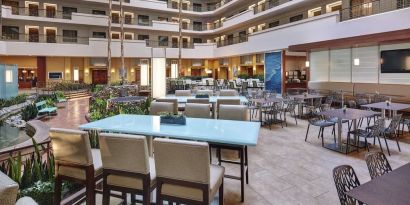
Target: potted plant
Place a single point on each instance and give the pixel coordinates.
(168, 118)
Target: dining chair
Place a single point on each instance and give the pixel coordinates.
(127, 167)
(291, 109)
(157, 108)
(392, 131)
(186, 178)
(345, 180)
(75, 161)
(220, 102)
(174, 103)
(197, 110)
(205, 92)
(183, 93)
(9, 190)
(377, 164)
(198, 100)
(228, 93)
(318, 121)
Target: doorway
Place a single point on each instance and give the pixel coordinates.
(33, 34)
(50, 35)
(50, 11)
(99, 77)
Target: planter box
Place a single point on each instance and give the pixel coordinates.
(174, 120)
(201, 96)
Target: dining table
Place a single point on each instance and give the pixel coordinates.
(345, 114)
(388, 106)
(390, 188)
(302, 98)
(260, 102)
(235, 135)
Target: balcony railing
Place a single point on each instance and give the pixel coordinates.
(202, 8)
(37, 38)
(168, 44)
(371, 8)
(25, 11)
(232, 40)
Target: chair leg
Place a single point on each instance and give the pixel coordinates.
(397, 141)
(90, 186)
(106, 193)
(296, 120)
(381, 148)
(387, 146)
(367, 144)
(307, 132)
(221, 193)
(334, 133)
(323, 142)
(57, 190)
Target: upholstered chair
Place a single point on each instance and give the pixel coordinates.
(233, 112)
(197, 110)
(173, 101)
(228, 93)
(198, 100)
(205, 92)
(127, 167)
(75, 161)
(9, 190)
(186, 178)
(182, 92)
(227, 102)
(157, 107)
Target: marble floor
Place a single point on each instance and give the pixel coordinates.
(283, 168)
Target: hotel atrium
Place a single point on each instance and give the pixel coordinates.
(259, 102)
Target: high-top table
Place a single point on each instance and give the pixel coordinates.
(349, 114)
(233, 134)
(383, 106)
(390, 188)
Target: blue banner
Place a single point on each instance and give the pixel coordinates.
(273, 71)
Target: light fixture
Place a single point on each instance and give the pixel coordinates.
(24, 71)
(67, 71)
(307, 64)
(174, 69)
(144, 73)
(32, 71)
(208, 71)
(113, 70)
(132, 70)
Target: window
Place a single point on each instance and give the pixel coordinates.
(143, 37)
(197, 26)
(33, 9)
(67, 11)
(115, 35)
(143, 20)
(230, 39)
(69, 36)
(11, 32)
(128, 36)
(197, 40)
(174, 42)
(296, 18)
(184, 43)
(98, 12)
(185, 25)
(99, 35)
(162, 18)
(13, 4)
(33, 35)
(50, 11)
(242, 36)
(127, 18)
(197, 7)
(115, 17)
(211, 6)
(273, 24)
(163, 40)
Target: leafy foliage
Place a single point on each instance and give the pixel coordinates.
(29, 112)
(13, 101)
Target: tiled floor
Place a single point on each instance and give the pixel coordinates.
(284, 169)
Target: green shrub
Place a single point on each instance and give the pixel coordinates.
(13, 101)
(29, 112)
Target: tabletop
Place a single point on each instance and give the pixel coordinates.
(390, 188)
(212, 99)
(392, 106)
(267, 100)
(308, 96)
(209, 130)
(350, 114)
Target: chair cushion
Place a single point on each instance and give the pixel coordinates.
(130, 182)
(80, 173)
(216, 179)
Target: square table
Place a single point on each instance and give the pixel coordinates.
(234, 134)
(349, 114)
(383, 106)
(390, 188)
(262, 101)
(302, 98)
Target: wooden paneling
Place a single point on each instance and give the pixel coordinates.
(41, 69)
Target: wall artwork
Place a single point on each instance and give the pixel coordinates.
(8, 81)
(273, 71)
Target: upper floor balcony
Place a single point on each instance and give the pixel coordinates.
(197, 7)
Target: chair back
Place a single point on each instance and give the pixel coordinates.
(227, 102)
(255, 83)
(197, 110)
(228, 93)
(244, 86)
(345, 180)
(232, 85)
(182, 92)
(8, 190)
(127, 153)
(376, 129)
(198, 100)
(173, 101)
(205, 92)
(394, 124)
(233, 112)
(173, 162)
(71, 146)
(377, 164)
(157, 107)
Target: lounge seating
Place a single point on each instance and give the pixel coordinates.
(197, 110)
(127, 166)
(186, 178)
(75, 161)
(43, 109)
